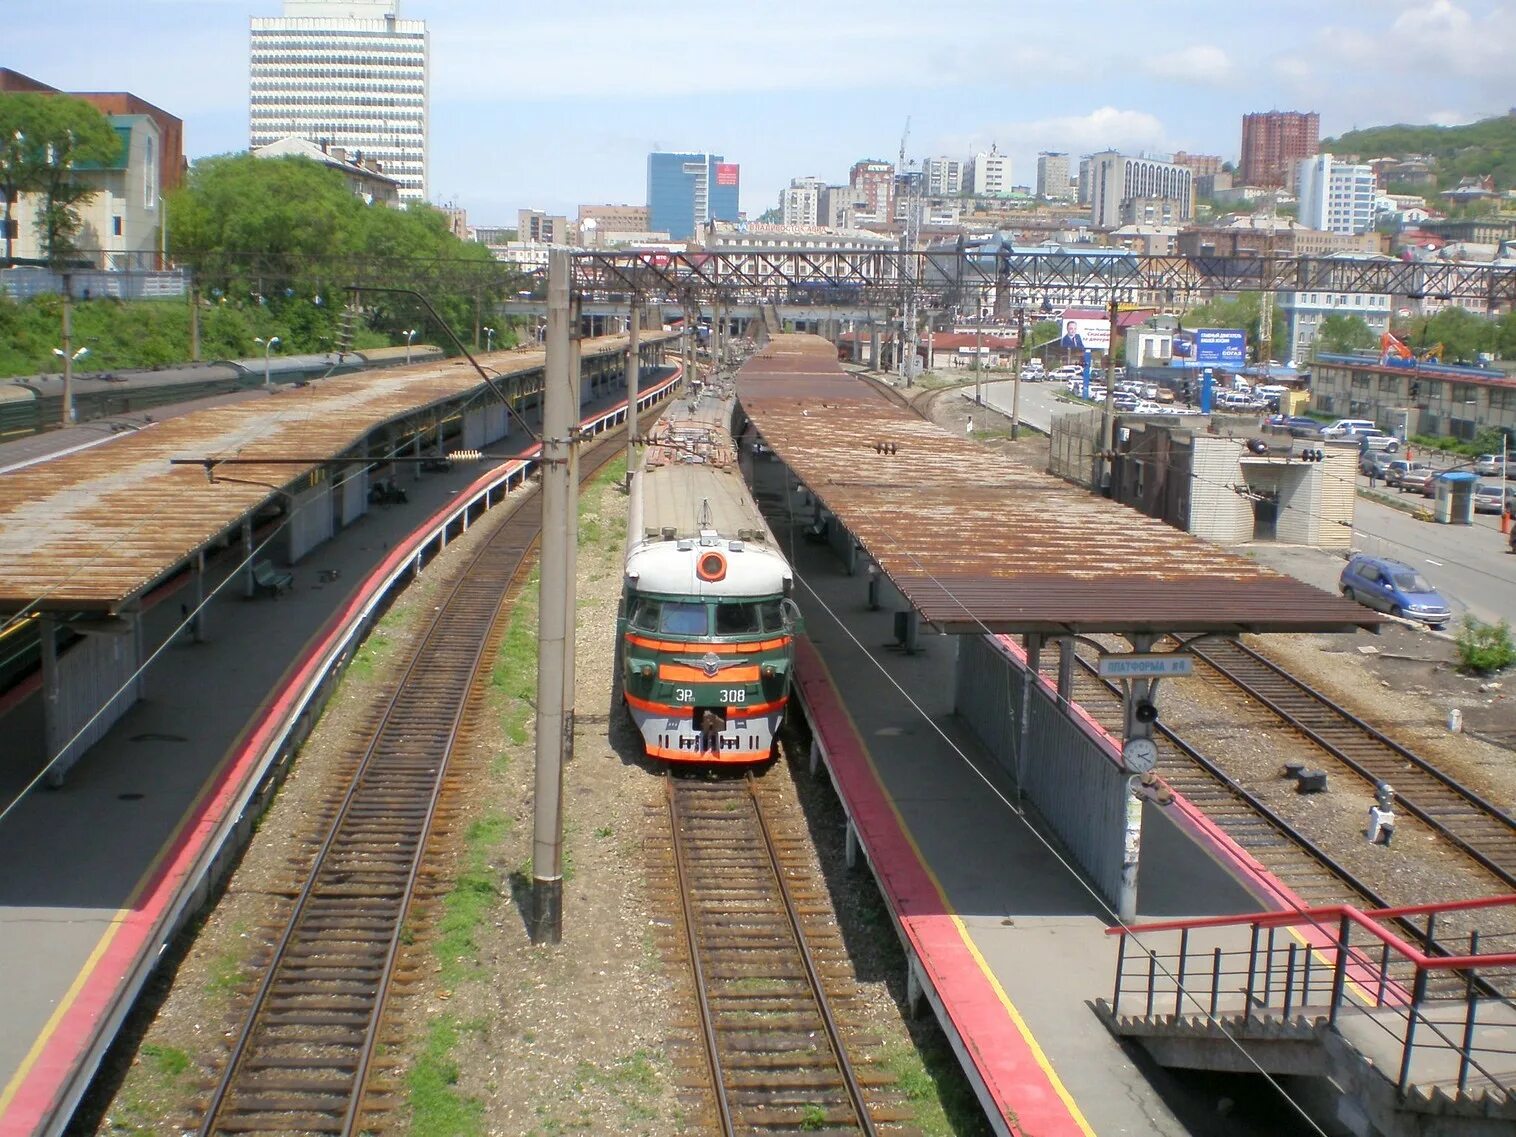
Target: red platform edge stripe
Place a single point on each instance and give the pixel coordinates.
(121, 946)
(1005, 1059)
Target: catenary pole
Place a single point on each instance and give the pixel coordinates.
(1108, 414)
(556, 565)
(68, 351)
(633, 382)
(1016, 380)
(571, 521)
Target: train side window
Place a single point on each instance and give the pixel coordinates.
(773, 616)
(736, 619)
(645, 614)
(683, 619)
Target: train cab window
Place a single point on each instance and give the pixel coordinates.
(683, 619)
(772, 615)
(736, 619)
(644, 615)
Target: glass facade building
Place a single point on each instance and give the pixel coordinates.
(684, 191)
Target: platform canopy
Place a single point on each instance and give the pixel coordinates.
(977, 541)
(92, 530)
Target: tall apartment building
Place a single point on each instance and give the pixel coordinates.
(1114, 180)
(1335, 196)
(687, 191)
(350, 74)
(800, 202)
(1273, 145)
(988, 175)
(615, 218)
(874, 182)
(541, 228)
(1053, 176)
(944, 176)
(839, 206)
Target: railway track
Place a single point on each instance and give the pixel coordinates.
(1477, 827)
(773, 1006)
(303, 1055)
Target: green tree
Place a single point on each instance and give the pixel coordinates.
(72, 134)
(1462, 334)
(22, 154)
(1341, 333)
(287, 238)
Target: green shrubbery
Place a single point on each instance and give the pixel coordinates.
(1483, 648)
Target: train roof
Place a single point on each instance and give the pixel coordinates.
(690, 481)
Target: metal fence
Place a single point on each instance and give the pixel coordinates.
(25, 282)
(1073, 446)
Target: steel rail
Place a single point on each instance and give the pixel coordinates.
(834, 1036)
(707, 1018)
(727, 855)
(386, 904)
(1296, 697)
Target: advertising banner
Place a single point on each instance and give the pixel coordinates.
(1225, 347)
(726, 173)
(1087, 335)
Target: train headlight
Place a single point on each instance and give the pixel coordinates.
(647, 670)
(768, 671)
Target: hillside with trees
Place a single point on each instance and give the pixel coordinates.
(1473, 150)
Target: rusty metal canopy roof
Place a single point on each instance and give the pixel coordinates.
(979, 542)
(93, 530)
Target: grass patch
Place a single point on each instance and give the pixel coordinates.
(464, 908)
(437, 1108)
(1484, 648)
(160, 1074)
(930, 1078)
(515, 674)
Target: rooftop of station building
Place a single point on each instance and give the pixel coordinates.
(92, 530)
(977, 541)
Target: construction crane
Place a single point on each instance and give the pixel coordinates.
(910, 234)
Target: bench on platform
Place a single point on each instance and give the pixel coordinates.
(270, 581)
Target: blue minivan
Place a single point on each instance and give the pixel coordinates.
(1396, 588)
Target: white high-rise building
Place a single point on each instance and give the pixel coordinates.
(347, 73)
(800, 203)
(1335, 196)
(989, 175)
(1053, 176)
(944, 177)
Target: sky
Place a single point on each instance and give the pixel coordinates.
(547, 105)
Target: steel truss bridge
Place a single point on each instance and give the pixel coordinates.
(947, 277)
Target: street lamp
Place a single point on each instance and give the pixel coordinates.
(69, 358)
(410, 334)
(268, 346)
(489, 339)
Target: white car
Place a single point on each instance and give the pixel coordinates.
(1068, 371)
(1032, 375)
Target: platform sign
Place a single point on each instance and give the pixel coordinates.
(1226, 347)
(1146, 665)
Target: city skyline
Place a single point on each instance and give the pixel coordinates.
(513, 127)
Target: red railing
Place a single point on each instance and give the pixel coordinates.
(1401, 988)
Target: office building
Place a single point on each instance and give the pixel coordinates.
(800, 203)
(874, 182)
(944, 177)
(1273, 145)
(1053, 176)
(989, 175)
(838, 206)
(1115, 180)
(1201, 165)
(685, 192)
(537, 227)
(1335, 196)
(348, 74)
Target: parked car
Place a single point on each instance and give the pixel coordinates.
(1164, 395)
(1404, 475)
(1376, 440)
(1428, 485)
(1491, 465)
(1067, 371)
(1394, 587)
(1344, 426)
(1489, 498)
(1301, 426)
(1374, 465)
(1032, 375)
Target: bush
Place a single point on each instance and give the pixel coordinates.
(1483, 648)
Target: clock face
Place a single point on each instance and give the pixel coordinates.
(1139, 755)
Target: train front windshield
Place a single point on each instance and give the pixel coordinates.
(694, 618)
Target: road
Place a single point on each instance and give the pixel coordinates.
(1470, 565)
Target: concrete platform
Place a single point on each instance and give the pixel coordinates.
(94, 872)
(1010, 939)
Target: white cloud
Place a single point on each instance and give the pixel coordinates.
(1200, 64)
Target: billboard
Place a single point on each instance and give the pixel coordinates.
(1225, 347)
(1087, 335)
(726, 173)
